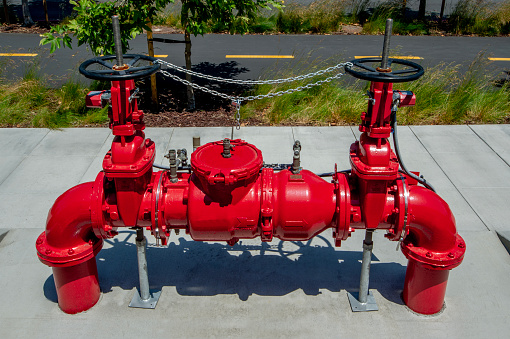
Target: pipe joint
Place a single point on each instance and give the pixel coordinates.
(436, 260)
(67, 256)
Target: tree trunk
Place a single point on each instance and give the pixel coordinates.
(442, 12)
(27, 18)
(421, 10)
(187, 56)
(45, 5)
(6, 13)
(150, 47)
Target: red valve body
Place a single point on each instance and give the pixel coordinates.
(227, 198)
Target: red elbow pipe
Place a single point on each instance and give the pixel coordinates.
(432, 247)
(69, 246)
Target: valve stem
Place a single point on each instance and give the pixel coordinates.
(226, 148)
(386, 45)
(117, 40)
(296, 160)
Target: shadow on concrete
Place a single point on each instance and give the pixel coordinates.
(207, 269)
(50, 292)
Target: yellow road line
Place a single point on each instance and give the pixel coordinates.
(259, 56)
(161, 55)
(499, 59)
(19, 54)
(409, 57)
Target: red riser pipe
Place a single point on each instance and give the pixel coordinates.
(424, 288)
(77, 286)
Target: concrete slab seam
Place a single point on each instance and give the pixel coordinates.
(353, 133)
(97, 154)
(15, 168)
(44, 137)
(170, 139)
(463, 197)
(485, 142)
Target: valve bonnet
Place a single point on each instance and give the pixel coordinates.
(211, 165)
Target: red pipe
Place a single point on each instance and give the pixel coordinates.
(432, 247)
(69, 246)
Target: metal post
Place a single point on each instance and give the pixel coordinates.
(146, 298)
(142, 265)
(117, 40)
(366, 301)
(368, 245)
(386, 46)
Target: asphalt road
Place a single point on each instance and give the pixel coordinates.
(222, 54)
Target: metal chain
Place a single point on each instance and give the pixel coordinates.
(254, 82)
(239, 99)
(238, 114)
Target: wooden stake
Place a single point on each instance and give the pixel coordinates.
(150, 45)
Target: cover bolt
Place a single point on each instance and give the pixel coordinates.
(462, 245)
(428, 255)
(39, 241)
(48, 252)
(451, 255)
(71, 251)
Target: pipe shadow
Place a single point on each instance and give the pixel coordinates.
(208, 269)
(50, 292)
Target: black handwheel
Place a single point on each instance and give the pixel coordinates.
(362, 69)
(113, 73)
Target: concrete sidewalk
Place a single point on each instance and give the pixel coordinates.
(255, 290)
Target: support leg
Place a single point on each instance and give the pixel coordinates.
(146, 298)
(366, 301)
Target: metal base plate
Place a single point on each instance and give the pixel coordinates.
(139, 303)
(356, 306)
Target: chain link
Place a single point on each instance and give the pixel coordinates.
(240, 99)
(253, 82)
(238, 114)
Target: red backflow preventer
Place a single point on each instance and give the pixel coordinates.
(229, 195)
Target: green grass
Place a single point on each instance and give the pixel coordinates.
(376, 20)
(480, 17)
(445, 95)
(29, 102)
